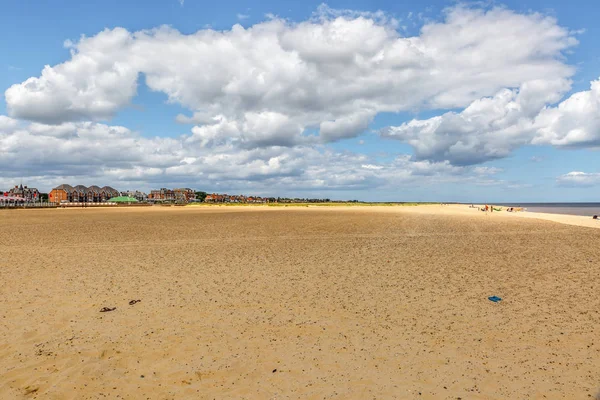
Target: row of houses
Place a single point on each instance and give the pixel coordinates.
(96, 194)
(82, 194)
(225, 198)
(184, 195)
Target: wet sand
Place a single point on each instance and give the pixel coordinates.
(322, 302)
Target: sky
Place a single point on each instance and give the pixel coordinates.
(368, 100)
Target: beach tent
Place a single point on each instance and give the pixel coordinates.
(122, 199)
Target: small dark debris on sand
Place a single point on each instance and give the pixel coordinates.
(132, 302)
(29, 390)
(108, 309)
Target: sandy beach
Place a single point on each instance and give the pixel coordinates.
(311, 303)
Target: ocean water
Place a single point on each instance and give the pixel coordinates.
(586, 209)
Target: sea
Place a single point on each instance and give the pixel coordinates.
(586, 209)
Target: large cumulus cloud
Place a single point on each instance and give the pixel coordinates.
(92, 152)
(332, 73)
(488, 128)
(492, 127)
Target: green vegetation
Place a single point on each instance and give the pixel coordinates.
(200, 196)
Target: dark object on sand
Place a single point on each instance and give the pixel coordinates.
(275, 370)
(132, 302)
(595, 217)
(495, 299)
(107, 309)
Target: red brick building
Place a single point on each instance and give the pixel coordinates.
(81, 194)
(162, 194)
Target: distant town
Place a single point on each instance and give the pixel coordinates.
(79, 195)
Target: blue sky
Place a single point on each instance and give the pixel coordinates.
(364, 147)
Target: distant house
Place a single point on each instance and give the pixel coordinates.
(94, 194)
(162, 194)
(225, 198)
(184, 194)
(81, 194)
(24, 193)
(216, 198)
(107, 193)
(136, 194)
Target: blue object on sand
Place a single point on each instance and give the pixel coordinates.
(495, 299)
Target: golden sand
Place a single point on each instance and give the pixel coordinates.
(309, 303)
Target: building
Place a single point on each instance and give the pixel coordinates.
(136, 194)
(184, 195)
(23, 193)
(225, 198)
(162, 194)
(81, 194)
(215, 198)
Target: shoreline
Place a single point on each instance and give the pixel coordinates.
(465, 210)
(568, 219)
(432, 209)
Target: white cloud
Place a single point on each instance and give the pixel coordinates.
(371, 166)
(345, 127)
(242, 17)
(90, 152)
(487, 170)
(97, 81)
(492, 127)
(581, 179)
(574, 123)
(7, 124)
(488, 128)
(325, 13)
(335, 71)
(254, 130)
